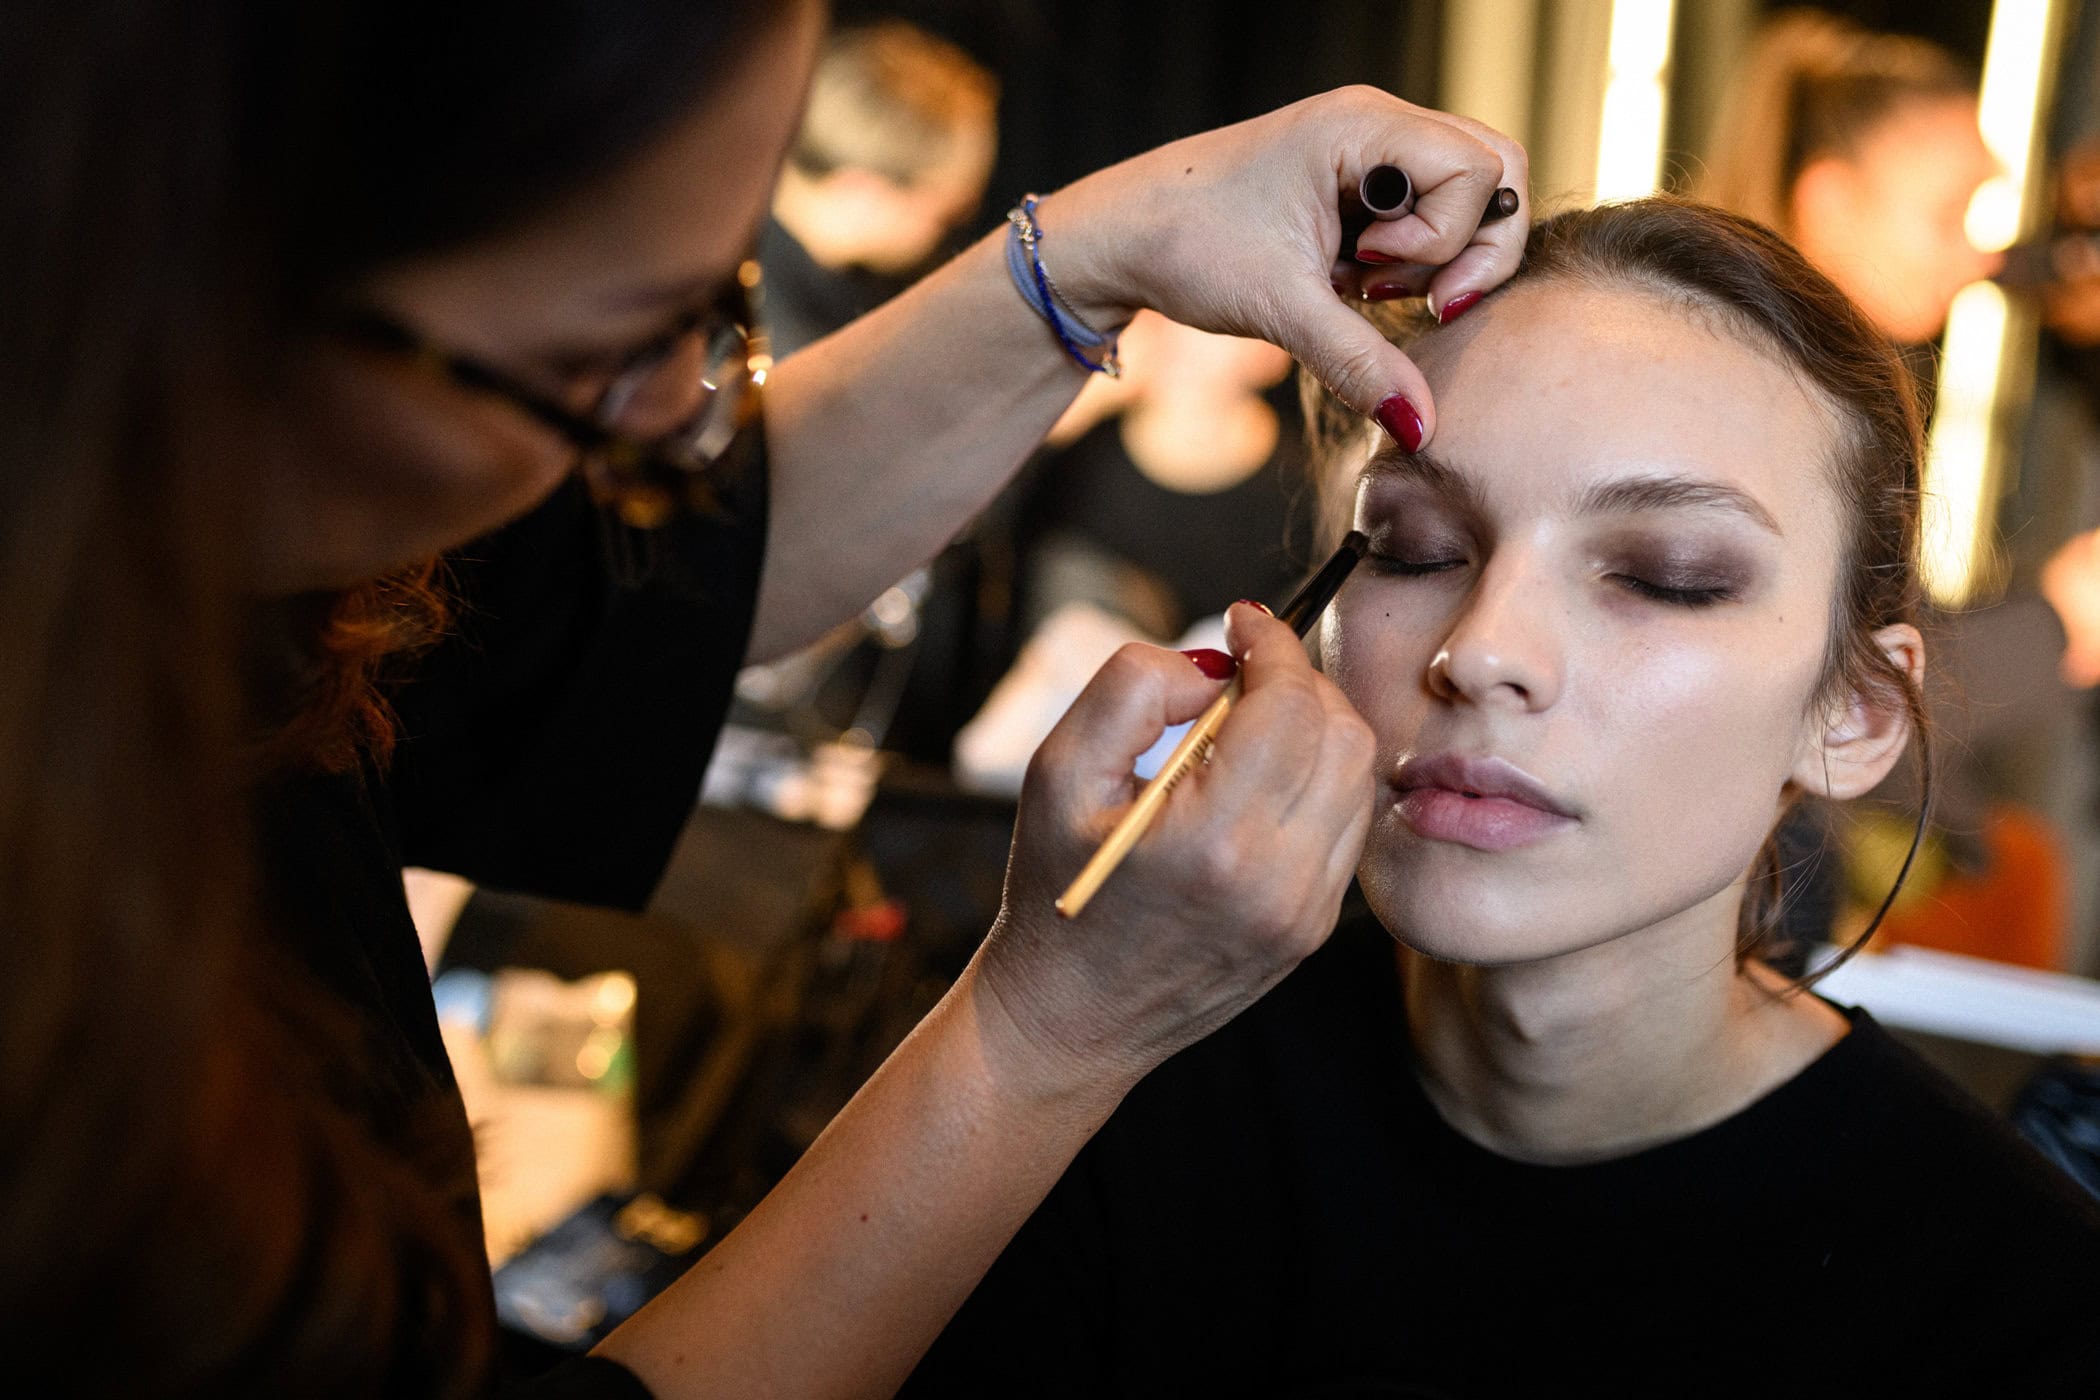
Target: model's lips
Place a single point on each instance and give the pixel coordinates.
(1486, 803)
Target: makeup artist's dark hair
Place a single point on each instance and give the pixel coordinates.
(1812, 86)
(1752, 283)
(187, 181)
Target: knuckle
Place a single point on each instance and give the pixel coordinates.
(1044, 765)
(1364, 95)
(1297, 707)
(1355, 743)
(1131, 665)
(1352, 371)
(1218, 864)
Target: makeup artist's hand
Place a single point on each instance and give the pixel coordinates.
(1239, 230)
(1237, 880)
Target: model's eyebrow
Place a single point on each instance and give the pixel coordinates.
(1647, 491)
(1664, 492)
(1427, 470)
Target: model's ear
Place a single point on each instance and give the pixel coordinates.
(1851, 744)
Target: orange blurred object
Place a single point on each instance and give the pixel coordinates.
(2014, 911)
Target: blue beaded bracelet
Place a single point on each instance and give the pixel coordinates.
(1024, 263)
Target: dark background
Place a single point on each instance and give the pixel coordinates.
(1086, 83)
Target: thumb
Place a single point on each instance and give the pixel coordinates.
(1131, 700)
(1353, 359)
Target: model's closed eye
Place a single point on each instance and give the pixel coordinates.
(1702, 596)
(1679, 572)
(1411, 563)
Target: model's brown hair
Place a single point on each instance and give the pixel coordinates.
(190, 182)
(1753, 284)
(1813, 86)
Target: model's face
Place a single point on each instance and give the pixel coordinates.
(1591, 629)
(383, 462)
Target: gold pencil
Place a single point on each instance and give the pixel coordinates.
(1301, 612)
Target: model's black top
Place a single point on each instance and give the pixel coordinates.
(553, 744)
(1279, 1211)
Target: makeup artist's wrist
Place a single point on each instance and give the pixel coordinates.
(1035, 1049)
(1086, 247)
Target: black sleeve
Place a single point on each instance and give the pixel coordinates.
(554, 743)
(586, 1378)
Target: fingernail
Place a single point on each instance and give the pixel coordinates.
(1256, 603)
(1457, 307)
(1367, 255)
(1212, 662)
(1385, 291)
(1398, 417)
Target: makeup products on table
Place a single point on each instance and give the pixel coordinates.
(1301, 612)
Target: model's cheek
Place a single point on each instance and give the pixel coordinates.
(1702, 758)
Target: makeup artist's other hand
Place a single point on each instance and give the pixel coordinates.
(1239, 877)
(1240, 231)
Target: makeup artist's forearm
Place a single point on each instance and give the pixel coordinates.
(887, 437)
(844, 1275)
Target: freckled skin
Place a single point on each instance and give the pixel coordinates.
(1671, 731)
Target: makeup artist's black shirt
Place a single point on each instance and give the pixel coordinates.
(553, 744)
(1280, 1212)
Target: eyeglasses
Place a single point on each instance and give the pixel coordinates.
(668, 415)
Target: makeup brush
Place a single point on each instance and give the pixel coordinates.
(1300, 613)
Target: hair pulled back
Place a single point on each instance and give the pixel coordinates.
(1813, 86)
(1754, 284)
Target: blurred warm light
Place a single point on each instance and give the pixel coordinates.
(1987, 347)
(1959, 466)
(1993, 221)
(1630, 135)
(2015, 66)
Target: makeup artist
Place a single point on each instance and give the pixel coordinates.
(351, 347)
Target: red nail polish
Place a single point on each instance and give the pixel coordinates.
(1398, 417)
(1457, 307)
(1256, 603)
(1386, 291)
(1366, 255)
(1212, 662)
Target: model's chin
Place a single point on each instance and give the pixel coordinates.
(1458, 904)
(1444, 925)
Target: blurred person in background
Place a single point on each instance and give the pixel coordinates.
(2070, 277)
(1162, 497)
(354, 349)
(888, 167)
(1188, 446)
(891, 160)
(1863, 149)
